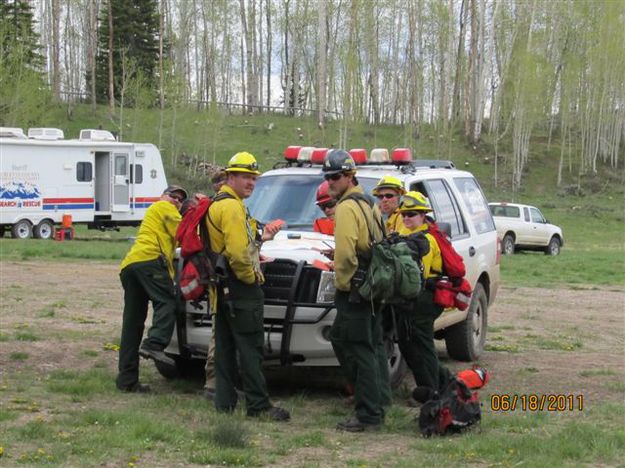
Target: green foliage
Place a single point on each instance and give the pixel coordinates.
(135, 45)
(24, 95)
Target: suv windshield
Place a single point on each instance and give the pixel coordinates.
(291, 197)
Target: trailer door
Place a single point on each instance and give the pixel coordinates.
(121, 182)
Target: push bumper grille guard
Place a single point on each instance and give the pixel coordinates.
(283, 279)
(292, 284)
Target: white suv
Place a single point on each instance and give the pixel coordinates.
(299, 309)
(524, 227)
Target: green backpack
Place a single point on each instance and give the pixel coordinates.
(393, 272)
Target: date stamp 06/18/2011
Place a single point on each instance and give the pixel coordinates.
(552, 402)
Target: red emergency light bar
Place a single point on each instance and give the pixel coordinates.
(291, 153)
(318, 155)
(359, 155)
(401, 156)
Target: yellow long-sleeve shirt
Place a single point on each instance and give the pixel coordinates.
(231, 231)
(433, 261)
(394, 222)
(156, 235)
(351, 236)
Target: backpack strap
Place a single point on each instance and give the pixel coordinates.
(219, 197)
(358, 197)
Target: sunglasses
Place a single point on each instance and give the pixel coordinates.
(328, 205)
(178, 198)
(409, 214)
(334, 177)
(388, 196)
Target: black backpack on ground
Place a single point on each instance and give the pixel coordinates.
(451, 411)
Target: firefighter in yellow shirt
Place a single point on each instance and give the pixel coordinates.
(415, 321)
(356, 334)
(239, 319)
(147, 274)
(388, 191)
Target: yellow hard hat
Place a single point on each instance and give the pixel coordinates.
(243, 162)
(389, 182)
(414, 201)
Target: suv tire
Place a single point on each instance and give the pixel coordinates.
(465, 340)
(397, 366)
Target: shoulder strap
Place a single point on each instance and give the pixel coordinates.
(217, 198)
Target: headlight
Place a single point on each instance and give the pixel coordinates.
(326, 289)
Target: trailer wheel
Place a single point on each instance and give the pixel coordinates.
(44, 230)
(22, 229)
(2, 230)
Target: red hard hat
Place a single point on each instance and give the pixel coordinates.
(322, 193)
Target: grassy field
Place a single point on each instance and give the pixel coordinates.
(58, 405)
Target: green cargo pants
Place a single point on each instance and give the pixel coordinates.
(415, 332)
(239, 343)
(144, 282)
(355, 336)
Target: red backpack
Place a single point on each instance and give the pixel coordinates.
(192, 235)
(452, 289)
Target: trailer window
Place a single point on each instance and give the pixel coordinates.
(120, 164)
(84, 172)
(136, 174)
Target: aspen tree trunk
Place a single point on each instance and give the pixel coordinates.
(93, 46)
(110, 60)
(459, 60)
(269, 50)
(321, 65)
(249, 57)
(56, 49)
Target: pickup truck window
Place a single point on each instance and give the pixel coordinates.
(526, 214)
(537, 216)
(505, 211)
(476, 204)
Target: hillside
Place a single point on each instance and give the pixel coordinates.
(189, 136)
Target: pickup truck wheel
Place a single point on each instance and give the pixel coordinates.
(181, 369)
(397, 366)
(507, 244)
(554, 246)
(465, 340)
(22, 230)
(44, 230)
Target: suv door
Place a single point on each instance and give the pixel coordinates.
(447, 210)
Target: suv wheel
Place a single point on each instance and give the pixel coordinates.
(465, 340)
(507, 244)
(397, 366)
(554, 246)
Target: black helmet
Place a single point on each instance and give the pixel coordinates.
(336, 161)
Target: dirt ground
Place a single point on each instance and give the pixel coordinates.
(543, 341)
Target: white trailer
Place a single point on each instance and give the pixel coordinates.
(96, 179)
